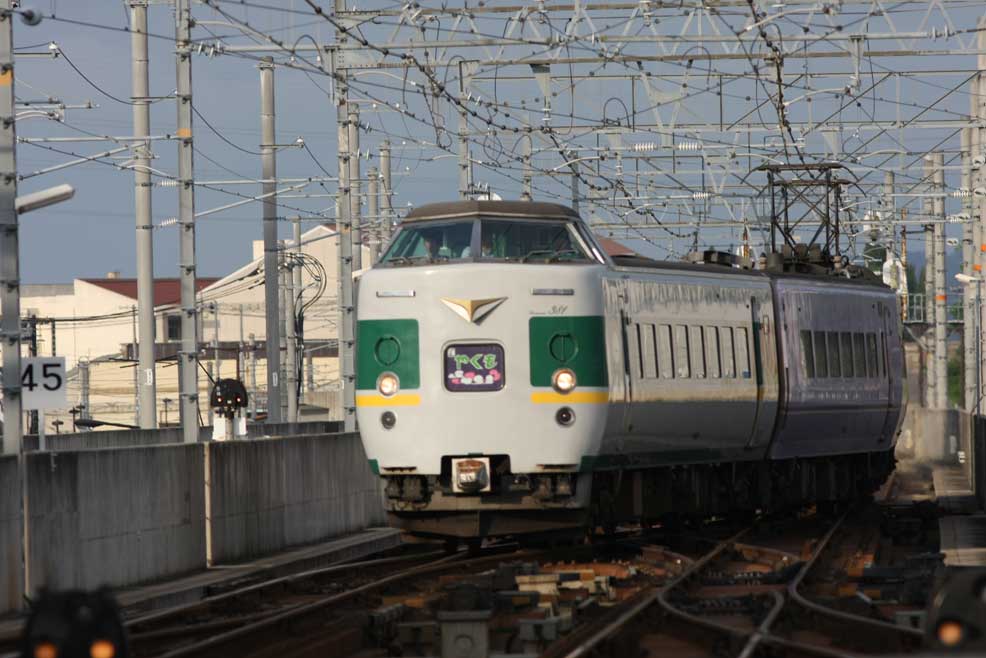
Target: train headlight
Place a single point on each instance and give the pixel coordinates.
(563, 380)
(388, 384)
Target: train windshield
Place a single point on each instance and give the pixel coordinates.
(535, 241)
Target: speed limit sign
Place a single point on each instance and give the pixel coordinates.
(43, 384)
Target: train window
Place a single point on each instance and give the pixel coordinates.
(430, 242)
(821, 355)
(859, 355)
(742, 353)
(681, 351)
(882, 354)
(807, 354)
(871, 356)
(665, 355)
(697, 351)
(648, 355)
(726, 351)
(712, 352)
(835, 363)
(845, 351)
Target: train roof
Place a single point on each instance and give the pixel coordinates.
(517, 209)
(637, 261)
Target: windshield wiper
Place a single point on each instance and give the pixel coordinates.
(549, 254)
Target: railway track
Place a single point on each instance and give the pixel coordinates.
(756, 612)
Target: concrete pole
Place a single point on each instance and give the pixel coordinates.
(373, 212)
(354, 188)
(969, 245)
(10, 293)
(344, 274)
(387, 202)
(931, 377)
(140, 89)
(941, 311)
(188, 353)
(268, 159)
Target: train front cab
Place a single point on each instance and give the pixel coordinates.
(481, 397)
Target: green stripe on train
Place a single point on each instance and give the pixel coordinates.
(577, 342)
(387, 346)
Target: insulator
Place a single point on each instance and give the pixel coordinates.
(171, 221)
(961, 193)
(645, 146)
(698, 196)
(168, 183)
(689, 146)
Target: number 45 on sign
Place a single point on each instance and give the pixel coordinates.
(43, 384)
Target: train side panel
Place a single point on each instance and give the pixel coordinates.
(842, 363)
(693, 368)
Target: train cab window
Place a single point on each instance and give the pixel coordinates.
(712, 351)
(681, 351)
(845, 351)
(431, 242)
(697, 352)
(535, 242)
(726, 351)
(835, 363)
(859, 355)
(871, 367)
(665, 355)
(807, 354)
(742, 353)
(821, 355)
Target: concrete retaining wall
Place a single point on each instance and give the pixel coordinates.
(271, 494)
(10, 535)
(115, 517)
(135, 438)
(933, 435)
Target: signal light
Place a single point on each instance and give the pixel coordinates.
(102, 649)
(950, 633)
(45, 650)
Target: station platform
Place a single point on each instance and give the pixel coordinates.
(953, 492)
(193, 587)
(963, 540)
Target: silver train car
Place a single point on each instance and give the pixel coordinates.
(514, 378)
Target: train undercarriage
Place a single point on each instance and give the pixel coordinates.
(538, 505)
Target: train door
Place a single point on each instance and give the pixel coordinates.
(892, 359)
(756, 364)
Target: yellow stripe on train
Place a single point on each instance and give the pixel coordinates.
(575, 397)
(401, 400)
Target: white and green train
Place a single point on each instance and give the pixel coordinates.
(514, 378)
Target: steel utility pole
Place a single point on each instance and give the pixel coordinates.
(298, 337)
(931, 363)
(188, 355)
(355, 219)
(969, 245)
(527, 188)
(345, 326)
(268, 159)
(941, 312)
(373, 212)
(140, 92)
(465, 163)
(977, 146)
(10, 292)
(387, 202)
(291, 360)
